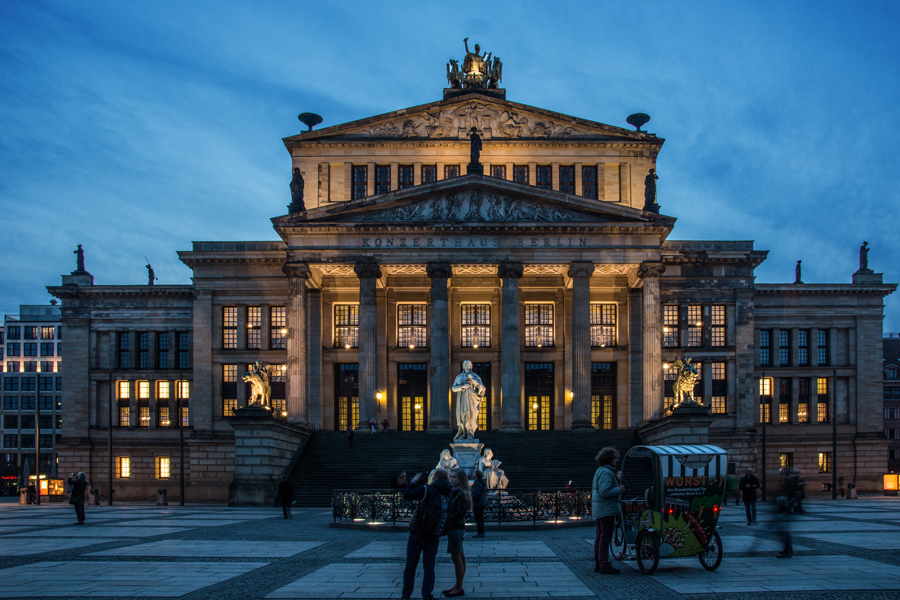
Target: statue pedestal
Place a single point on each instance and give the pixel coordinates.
(688, 423)
(868, 277)
(467, 454)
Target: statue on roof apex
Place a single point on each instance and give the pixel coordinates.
(79, 262)
(863, 256)
(479, 71)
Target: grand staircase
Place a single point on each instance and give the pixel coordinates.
(533, 459)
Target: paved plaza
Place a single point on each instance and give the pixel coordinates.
(843, 549)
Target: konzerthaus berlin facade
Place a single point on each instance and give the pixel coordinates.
(551, 272)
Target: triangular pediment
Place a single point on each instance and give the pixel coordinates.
(452, 119)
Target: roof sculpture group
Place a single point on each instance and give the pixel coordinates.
(479, 71)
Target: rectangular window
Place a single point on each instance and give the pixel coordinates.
(31, 332)
(803, 400)
(48, 333)
(765, 347)
(28, 420)
(382, 179)
(589, 181)
(229, 327)
(183, 347)
(47, 349)
(29, 366)
(123, 394)
(11, 421)
(10, 440)
(719, 388)
(277, 328)
(603, 326)
(13, 332)
(13, 349)
(695, 326)
(28, 384)
(786, 460)
(476, 325)
(229, 390)
(124, 415)
(58, 384)
(784, 347)
(29, 349)
(765, 400)
(539, 393)
(123, 467)
(670, 326)
(162, 351)
(405, 173)
(124, 350)
(520, 175)
(142, 389)
(567, 179)
(824, 462)
(27, 404)
(538, 325)
(545, 177)
(45, 384)
(48, 366)
(670, 374)
(603, 390)
(143, 350)
(803, 347)
(717, 329)
(12, 366)
(10, 403)
(10, 384)
(359, 175)
(429, 173)
(498, 171)
(822, 348)
(822, 400)
(412, 324)
(162, 467)
(784, 400)
(451, 171)
(183, 393)
(254, 327)
(162, 403)
(45, 403)
(346, 326)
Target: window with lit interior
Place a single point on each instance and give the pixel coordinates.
(538, 325)
(603, 325)
(412, 330)
(346, 326)
(476, 325)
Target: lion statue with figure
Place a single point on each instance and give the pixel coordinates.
(684, 384)
(259, 377)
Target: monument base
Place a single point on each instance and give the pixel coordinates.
(467, 454)
(687, 424)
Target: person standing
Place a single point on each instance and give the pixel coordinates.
(349, 436)
(384, 425)
(606, 489)
(748, 486)
(460, 505)
(479, 496)
(422, 537)
(79, 488)
(286, 497)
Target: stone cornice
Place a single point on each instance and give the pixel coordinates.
(108, 291)
(824, 288)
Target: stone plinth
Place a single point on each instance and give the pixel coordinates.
(467, 454)
(687, 424)
(264, 450)
(868, 276)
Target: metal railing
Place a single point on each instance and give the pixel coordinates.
(535, 505)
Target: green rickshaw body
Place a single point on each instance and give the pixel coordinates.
(683, 503)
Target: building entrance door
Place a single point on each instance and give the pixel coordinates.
(346, 395)
(412, 392)
(603, 395)
(539, 393)
(483, 370)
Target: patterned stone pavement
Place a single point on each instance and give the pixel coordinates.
(843, 549)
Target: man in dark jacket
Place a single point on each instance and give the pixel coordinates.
(286, 496)
(79, 487)
(748, 486)
(479, 496)
(420, 540)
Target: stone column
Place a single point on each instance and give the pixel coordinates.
(439, 367)
(581, 344)
(296, 403)
(314, 358)
(510, 362)
(368, 273)
(652, 339)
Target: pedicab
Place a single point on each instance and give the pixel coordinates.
(671, 505)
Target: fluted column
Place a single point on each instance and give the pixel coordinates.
(652, 339)
(296, 403)
(439, 365)
(368, 273)
(510, 361)
(581, 344)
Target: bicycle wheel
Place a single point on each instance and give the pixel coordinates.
(647, 547)
(617, 545)
(711, 558)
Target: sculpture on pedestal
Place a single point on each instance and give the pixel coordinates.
(259, 378)
(797, 273)
(469, 390)
(863, 256)
(296, 204)
(650, 187)
(79, 264)
(684, 384)
(494, 477)
(479, 71)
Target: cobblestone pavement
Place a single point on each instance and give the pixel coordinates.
(843, 549)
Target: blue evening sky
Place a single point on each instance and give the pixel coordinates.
(136, 127)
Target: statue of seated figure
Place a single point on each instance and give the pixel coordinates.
(494, 477)
(446, 462)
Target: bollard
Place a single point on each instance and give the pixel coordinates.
(851, 491)
(161, 497)
(23, 496)
(94, 499)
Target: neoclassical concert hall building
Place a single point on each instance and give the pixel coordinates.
(547, 263)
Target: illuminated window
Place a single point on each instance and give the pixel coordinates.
(48, 333)
(545, 177)
(718, 325)
(822, 400)
(229, 327)
(670, 326)
(765, 400)
(31, 332)
(786, 460)
(254, 327)
(603, 325)
(803, 347)
(142, 389)
(695, 325)
(123, 467)
(670, 374)
(162, 404)
(359, 175)
(143, 350)
(382, 179)
(476, 325)
(520, 174)
(405, 173)
(183, 392)
(451, 171)
(804, 399)
(822, 347)
(346, 392)
(229, 390)
(429, 173)
(824, 462)
(538, 325)
(346, 325)
(784, 347)
(603, 390)
(765, 386)
(162, 467)
(13, 332)
(162, 351)
(567, 179)
(498, 171)
(765, 347)
(784, 400)
(589, 181)
(412, 324)
(277, 328)
(124, 353)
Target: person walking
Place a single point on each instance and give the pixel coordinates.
(384, 425)
(606, 490)
(79, 488)
(479, 497)
(349, 436)
(748, 486)
(460, 505)
(372, 424)
(286, 497)
(425, 528)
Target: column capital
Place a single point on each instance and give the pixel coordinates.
(299, 270)
(651, 269)
(506, 270)
(439, 270)
(369, 270)
(581, 269)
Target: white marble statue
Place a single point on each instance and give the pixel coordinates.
(446, 462)
(494, 477)
(469, 391)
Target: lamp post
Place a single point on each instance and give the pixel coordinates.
(763, 419)
(834, 434)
